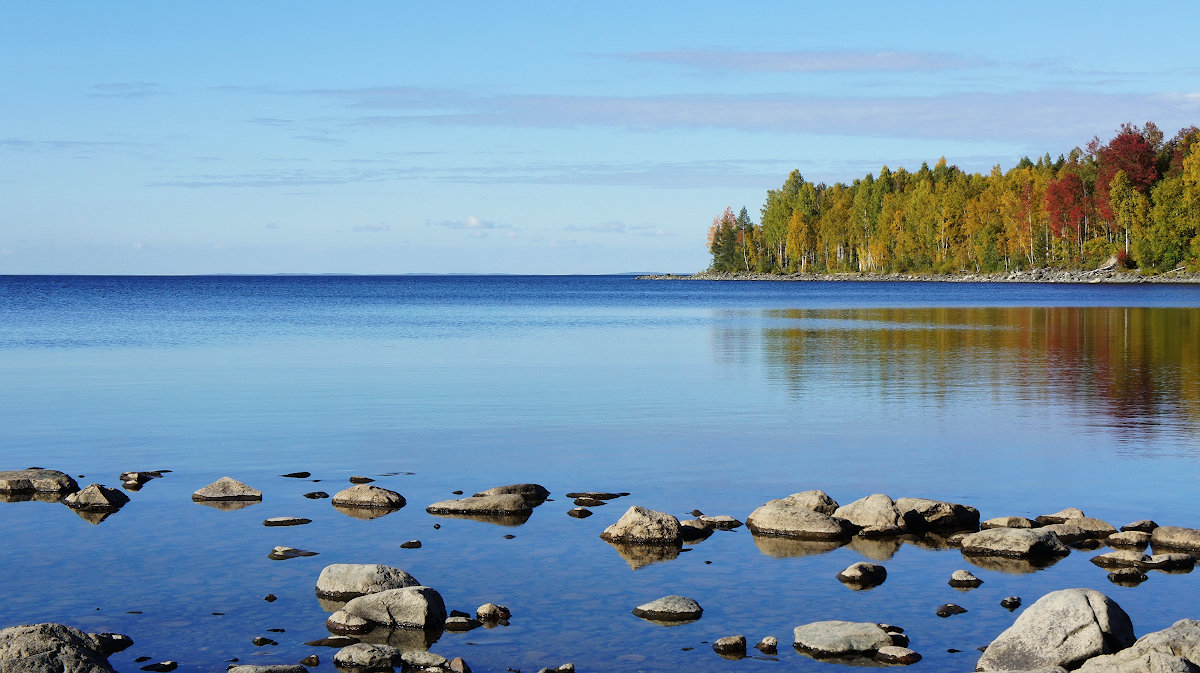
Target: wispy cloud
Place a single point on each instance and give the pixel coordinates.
(602, 228)
(476, 227)
(805, 61)
(125, 90)
(372, 228)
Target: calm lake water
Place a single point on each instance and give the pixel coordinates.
(1017, 399)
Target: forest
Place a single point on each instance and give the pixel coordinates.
(1134, 199)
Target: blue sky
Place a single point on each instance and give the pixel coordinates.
(270, 137)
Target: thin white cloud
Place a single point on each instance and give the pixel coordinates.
(373, 227)
(472, 223)
(125, 90)
(805, 61)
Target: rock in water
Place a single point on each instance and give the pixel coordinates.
(644, 526)
(800, 516)
(874, 516)
(938, 516)
(1176, 537)
(344, 581)
(892, 654)
(533, 494)
(226, 488)
(497, 503)
(840, 639)
(492, 613)
(670, 609)
(408, 608)
(963, 579)
(1174, 649)
(271, 668)
(863, 575)
(1007, 522)
(768, 645)
(96, 498)
(362, 656)
(366, 495)
(1063, 628)
(1022, 543)
(37, 480)
(55, 648)
(730, 646)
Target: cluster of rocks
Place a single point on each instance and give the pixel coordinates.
(1042, 275)
(93, 503)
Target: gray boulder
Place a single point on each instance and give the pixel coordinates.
(1176, 537)
(1134, 539)
(96, 498)
(1008, 522)
(415, 607)
(863, 575)
(1061, 516)
(1062, 628)
(936, 515)
(1022, 543)
(1126, 558)
(874, 516)
(533, 494)
(670, 609)
(367, 495)
(964, 579)
(344, 581)
(36, 479)
(56, 648)
(495, 503)
(1169, 561)
(644, 526)
(1094, 528)
(1175, 649)
(1141, 526)
(226, 488)
(367, 657)
(794, 517)
(893, 654)
(1068, 533)
(840, 639)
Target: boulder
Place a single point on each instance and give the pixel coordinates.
(963, 579)
(892, 654)
(1062, 628)
(533, 494)
(1141, 526)
(1169, 561)
(421, 660)
(1068, 533)
(96, 498)
(863, 575)
(344, 581)
(693, 530)
(720, 522)
(1133, 539)
(794, 517)
(499, 503)
(670, 609)
(1175, 649)
(366, 657)
(1094, 528)
(874, 516)
(1127, 577)
(1061, 516)
(415, 607)
(1007, 522)
(816, 500)
(366, 495)
(643, 526)
(840, 639)
(226, 488)
(768, 645)
(490, 612)
(56, 648)
(730, 646)
(1022, 543)
(36, 479)
(1176, 537)
(1127, 558)
(935, 515)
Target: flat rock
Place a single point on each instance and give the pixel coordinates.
(794, 517)
(533, 494)
(840, 638)
(937, 515)
(269, 668)
(416, 607)
(1121, 559)
(316, 495)
(55, 648)
(286, 521)
(36, 479)
(1094, 528)
(366, 657)
(282, 553)
(964, 579)
(1169, 561)
(874, 516)
(670, 609)
(419, 659)
(863, 575)
(1022, 543)
(642, 526)
(1068, 533)
(366, 495)
(892, 654)
(1062, 628)
(950, 609)
(1141, 526)
(720, 522)
(461, 623)
(579, 513)
(595, 495)
(498, 503)
(96, 498)
(344, 581)
(1176, 537)
(332, 641)
(226, 488)
(1134, 539)
(1127, 577)
(1062, 516)
(1175, 649)
(297, 475)
(1007, 522)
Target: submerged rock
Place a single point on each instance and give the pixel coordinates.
(642, 526)
(1127, 577)
(800, 516)
(281, 553)
(227, 488)
(56, 648)
(286, 521)
(950, 609)
(670, 609)
(344, 581)
(96, 498)
(1062, 628)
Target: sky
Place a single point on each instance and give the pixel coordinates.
(523, 137)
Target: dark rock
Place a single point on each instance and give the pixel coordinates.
(311, 661)
(270, 598)
(950, 609)
(964, 579)
(1141, 526)
(596, 495)
(579, 513)
(298, 475)
(1127, 577)
(332, 641)
(1011, 603)
(461, 622)
(411, 544)
(286, 521)
(863, 575)
(589, 502)
(360, 480)
(316, 495)
(533, 494)
(161, 667)
(282, 553)
(921, 514)
(260, 641)
(892, 654)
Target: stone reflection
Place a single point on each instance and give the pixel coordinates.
(510, 520)
(402, 639)
(876, 549)
(227, 505)
(1139, 367)
(786, 547)
(1012, 566)
(364, 513)
(641, 555)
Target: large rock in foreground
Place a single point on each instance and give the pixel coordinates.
(227, 488)
(1023, 543)
(794, 517)
(840, 639)
(1176, 648)
(639, 525)
(344, 581)
(36, 479)
(874, 516)
(1063, 628)
(1176, 537)
(408, 608)
(55, 648)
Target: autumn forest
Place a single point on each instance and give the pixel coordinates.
(1134, 199)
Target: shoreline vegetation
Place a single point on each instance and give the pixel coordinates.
(1108, 276)
(1132, 203)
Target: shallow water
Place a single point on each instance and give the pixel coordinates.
(1017, 399)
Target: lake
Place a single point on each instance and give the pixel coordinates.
(1018, 399)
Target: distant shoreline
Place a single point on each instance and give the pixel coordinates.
(1030, 276)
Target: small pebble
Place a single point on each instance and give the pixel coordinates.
(456, 492)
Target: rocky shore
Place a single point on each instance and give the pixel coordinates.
(1024, 276)
(382, 618)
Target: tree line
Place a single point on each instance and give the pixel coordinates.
(1135, 198)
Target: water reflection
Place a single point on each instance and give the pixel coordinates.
(1136, 368)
